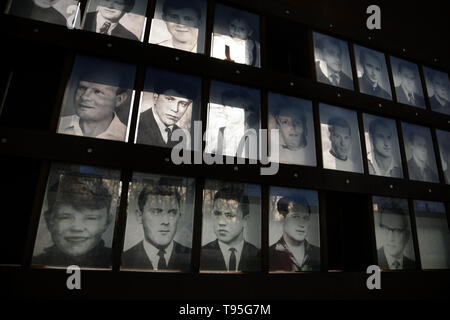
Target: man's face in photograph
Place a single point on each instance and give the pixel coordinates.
(332, 56)
(95, 101)
(291, 129)
(240, 29)
(77, 231)
(440, 87)
(182, 24)
(160, 219)
(170, 106)
(408, 79)
(228, 220)
(395, 235)
(112, 10)
(296, 222)
(419, 148)
(45, 3)
(382, 141)
(372, 68)
(340, 141)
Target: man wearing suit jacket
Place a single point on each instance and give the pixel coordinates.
(440, 100)
(41, 10)
(395, 236)
(369, 82)
(329, 69)
(419, 165)
(407, 92)
(172, 98)
(230, 251)
(292, 252)
(159, 213)
(106, 19)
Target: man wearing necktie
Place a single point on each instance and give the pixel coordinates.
(159, 211)
(394, 236)
(407, 91)
(230, 251)
(106, 19)
(329, 67)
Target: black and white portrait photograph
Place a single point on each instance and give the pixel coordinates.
(231, 228)
(341, 147)
(332, 61)
(433, 234)
(294, 230)
(179, 24)
(62, 12)
(438, 89)
(420, 153)
(395, 248)
(170, 101)
(98, 99)
(77, 220)
(118, 18)
(383, 150)
(443, 138)
(373, 76)
(159, 223)
(408, 86)
(294, 119)
(233, 121)
(235, 36)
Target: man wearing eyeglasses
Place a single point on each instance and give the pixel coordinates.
(230, 251)
(159, 213)
(395, 236)
(292, 252)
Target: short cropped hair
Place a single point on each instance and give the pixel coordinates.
(363, 55)
(177, 4)
(80, 192)
(321, 43)
(393, 207)
(338, 122)
(159, 190)
(377, 123)
(283, 204)
(236, 193)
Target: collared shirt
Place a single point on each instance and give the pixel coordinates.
(332, 162)
(226, 253)
(391, 260)
(298, 252)
(101, 21)
(169, 43)
(379, 171)
(152, 253)
(71, 125)
(324, 68)
(411, 99)
(162, 127)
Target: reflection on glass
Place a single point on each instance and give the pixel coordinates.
(98, 99)
(77, 220)
(332, 61)
(393, 235)
(294, 120)
(444, 149)
(383, 151)
(170, 101)
(432, 234)
(62, 12)
(438, 88)
(159, 223)
(179, 24)
(420, 153)
(231, 235)
(233, 121)
(408, 86)
(340, 139)
(294, 230)
(236, 36)
(119, 18)
(372, 73)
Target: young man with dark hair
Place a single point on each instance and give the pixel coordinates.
(407, 91)
(230, 251)
(419, 164)
(369, 82)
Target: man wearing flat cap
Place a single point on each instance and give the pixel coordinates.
(106, 19)
(99, 93)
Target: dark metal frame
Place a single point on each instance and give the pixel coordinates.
(50, 146)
